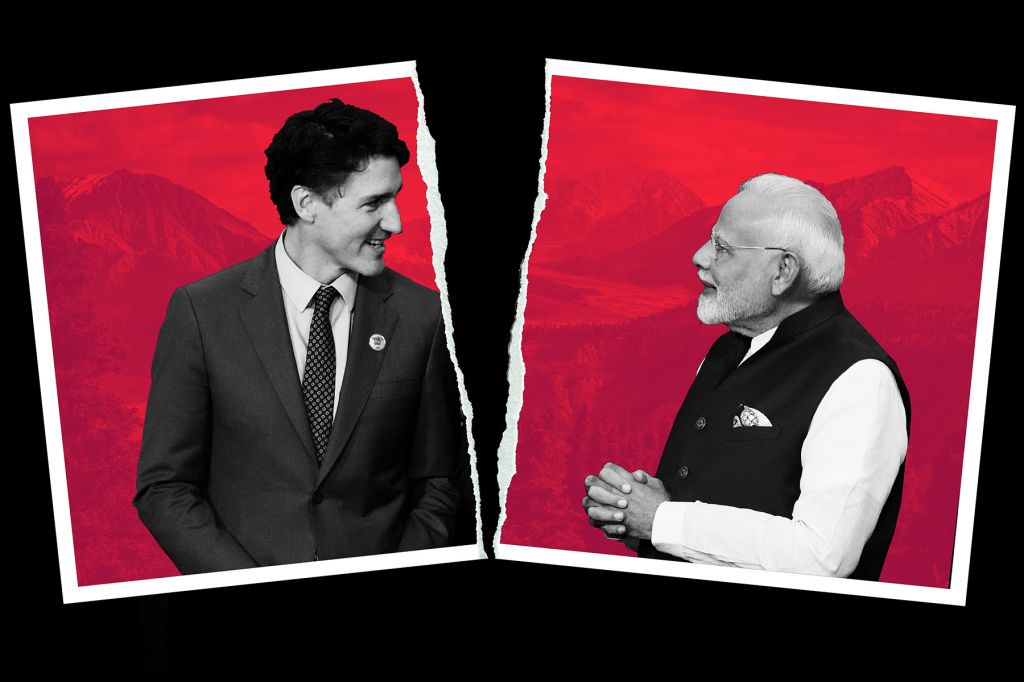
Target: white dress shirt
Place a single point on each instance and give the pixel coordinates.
(298, 290)
(854, 447)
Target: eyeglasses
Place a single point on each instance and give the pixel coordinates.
(719, 249)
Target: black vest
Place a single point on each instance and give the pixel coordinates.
(758, 468)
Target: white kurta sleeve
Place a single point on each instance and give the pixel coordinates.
(855, 445)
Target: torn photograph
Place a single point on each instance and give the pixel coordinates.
(754, 333)
(243, 336)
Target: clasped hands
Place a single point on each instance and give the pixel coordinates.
(623, 504)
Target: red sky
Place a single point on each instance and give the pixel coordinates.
(599, 124)
(214, 147)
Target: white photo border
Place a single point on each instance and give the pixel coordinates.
(956, 593)
(71, 591)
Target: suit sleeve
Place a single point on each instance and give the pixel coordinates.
(439, 460)
(175, 457)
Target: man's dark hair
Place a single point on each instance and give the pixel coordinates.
(319, 148)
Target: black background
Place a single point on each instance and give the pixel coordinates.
(485, 110)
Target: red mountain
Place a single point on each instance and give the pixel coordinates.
(888, 217)
(116, 246)
(641, 279)
(610, 210)
(120, 243)
(937, 260)
(877, 208)
(963, 225)
(139, 215)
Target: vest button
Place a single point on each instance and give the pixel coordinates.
(683, 472)
(318, 498)
(701, 423)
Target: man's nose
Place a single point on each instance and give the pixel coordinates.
(704, 256)
(390, 220)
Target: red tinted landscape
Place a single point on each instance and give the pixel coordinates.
(131, 206)
(636, 176)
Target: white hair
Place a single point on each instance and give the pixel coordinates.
(803, 221)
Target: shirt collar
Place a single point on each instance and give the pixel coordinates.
(300, 287)
(759, 342)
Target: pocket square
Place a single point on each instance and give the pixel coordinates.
(748, 416)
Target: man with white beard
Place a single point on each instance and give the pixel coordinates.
(787, 453)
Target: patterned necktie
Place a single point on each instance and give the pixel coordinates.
(318, 378)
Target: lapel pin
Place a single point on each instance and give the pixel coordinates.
(377, 342)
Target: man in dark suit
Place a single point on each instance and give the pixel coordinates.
(787, 453)
(303, 403)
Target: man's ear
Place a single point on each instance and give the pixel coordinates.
(303, 200)
(787, 274)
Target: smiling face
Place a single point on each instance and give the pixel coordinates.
(737, 282)
(349, 232)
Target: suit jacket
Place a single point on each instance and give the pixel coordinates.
(227, 474)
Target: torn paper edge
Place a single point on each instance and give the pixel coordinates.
(1003, 114)
(425, 158)
(71, 591)
(516, 365)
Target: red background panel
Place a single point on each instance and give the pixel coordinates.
(134, 202)
(636, 176)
